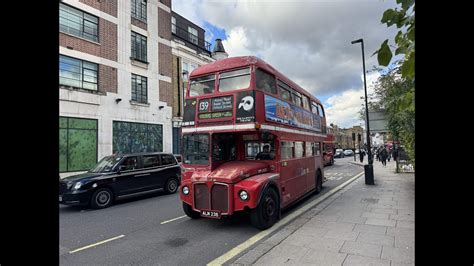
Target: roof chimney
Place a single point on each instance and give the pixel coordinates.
(219, 51)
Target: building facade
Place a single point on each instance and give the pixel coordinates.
(115, 80)
(343, 137)
(189, 51)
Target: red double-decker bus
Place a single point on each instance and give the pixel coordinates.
(329, 147)
(252, 141)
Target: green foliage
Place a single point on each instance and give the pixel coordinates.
(396, 94)
(396, 89)
(404, 19)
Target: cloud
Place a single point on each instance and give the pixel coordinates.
(343, 109)
(307, 40)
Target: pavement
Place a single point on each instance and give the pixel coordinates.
(358, 225)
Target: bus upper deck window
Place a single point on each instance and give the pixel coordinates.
(265, 81)
(234, 80)
(202, 85)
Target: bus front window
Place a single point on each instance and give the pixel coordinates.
(234, 80)
(223, 147)
(196, 149)
(202, 85)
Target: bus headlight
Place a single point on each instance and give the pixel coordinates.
(243, 195)
(185, 190)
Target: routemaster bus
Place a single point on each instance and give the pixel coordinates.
(329, 148)
(252, 141)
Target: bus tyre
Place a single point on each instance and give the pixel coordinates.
(171, 185)
(102, 198)
(267, 211)
(319, 182)
(190, 212)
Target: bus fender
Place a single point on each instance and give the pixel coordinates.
(271, 183)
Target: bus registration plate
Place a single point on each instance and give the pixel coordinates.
(211, 214)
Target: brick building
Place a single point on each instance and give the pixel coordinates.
(115, 79)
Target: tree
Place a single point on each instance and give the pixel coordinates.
(395, 94)
(396, 89)
(404, 19)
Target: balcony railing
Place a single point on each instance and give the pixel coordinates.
(190, 37)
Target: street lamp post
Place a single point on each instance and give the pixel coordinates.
(368, 169)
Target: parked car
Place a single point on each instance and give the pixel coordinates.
(348, 152)
(121, 176)
(339, 153)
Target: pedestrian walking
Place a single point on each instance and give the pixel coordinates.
(395, 154)
(361, 155)
(383, 157)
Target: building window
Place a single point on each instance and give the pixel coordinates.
(77, 73)
(139, 89)
(139, 9)
(137, 137)
(193, 35)
(77, 144)
(173, 25)
(75, 22)
(138, 47)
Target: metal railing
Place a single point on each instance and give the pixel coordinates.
(404, 163)
(190, 37)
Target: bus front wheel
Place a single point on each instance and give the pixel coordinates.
(190, 212)
(267, 211)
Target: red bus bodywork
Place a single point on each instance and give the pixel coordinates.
(213, 186)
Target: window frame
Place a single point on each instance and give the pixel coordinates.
(139, 46)
(282, 86)
(173, 24)
(84, 18)
(274, 87)
(142, 79)
(80, 73)
(282, 147)
(191, 35)
(219, 78)
(140, 7)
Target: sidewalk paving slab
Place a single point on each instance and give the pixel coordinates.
(359, 225)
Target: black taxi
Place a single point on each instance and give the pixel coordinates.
(121, 176)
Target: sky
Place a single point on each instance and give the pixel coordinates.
(307, 40)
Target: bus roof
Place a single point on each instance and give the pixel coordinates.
(241, 61)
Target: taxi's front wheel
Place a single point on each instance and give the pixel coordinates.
(102, 198)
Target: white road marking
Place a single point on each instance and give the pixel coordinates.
(254, 239)
(339, 178)
(96, 244)
(174, 219)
